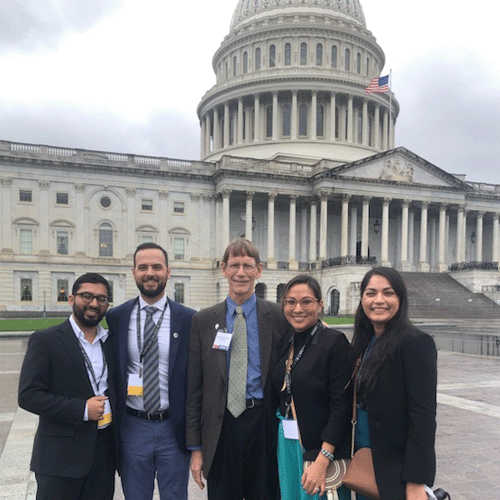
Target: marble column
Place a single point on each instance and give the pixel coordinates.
(208, 133)
(226, 124)
(240, 124)
(365, 122)
(384, 257)
(80, 229)
(353, 231)
(271, 261)
(376, 127)
(495, 255)
(292, 238)
(216, 130)
(7, 216)
(275, 116)
(294, 119)
(385, 123)
(323, 225)
(344, 226)
(479, 236)
(203, 134)
(423, 263)
(460, 256)
(365, 228)
(404, 264)
(256, 118)
(303, 236)
(249, 215)
(350, 118)
(442, 267)
(226, 194)
(313, 230)
(314, 111)
(44, 218)
(333, 115)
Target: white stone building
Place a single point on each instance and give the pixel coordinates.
(294, 155)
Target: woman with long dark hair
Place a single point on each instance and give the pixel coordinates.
(314, 368)
(396, 388)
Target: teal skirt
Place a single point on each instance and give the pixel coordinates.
(291, 468)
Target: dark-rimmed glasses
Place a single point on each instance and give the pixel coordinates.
(88, 297)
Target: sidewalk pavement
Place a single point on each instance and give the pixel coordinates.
(467, 444)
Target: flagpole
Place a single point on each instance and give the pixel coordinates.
(390, 108)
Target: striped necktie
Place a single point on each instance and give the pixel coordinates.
(151, 389)
(236, 395)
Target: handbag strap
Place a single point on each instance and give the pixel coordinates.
(354, 419)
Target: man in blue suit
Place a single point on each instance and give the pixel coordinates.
(151, 334)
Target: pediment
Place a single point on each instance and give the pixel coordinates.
(399, 166)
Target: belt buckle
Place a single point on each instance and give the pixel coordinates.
(253, 403)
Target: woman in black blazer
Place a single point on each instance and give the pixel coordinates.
(320, 370)
(396, 392)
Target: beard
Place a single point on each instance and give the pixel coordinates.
(79, 313)
(151, 292)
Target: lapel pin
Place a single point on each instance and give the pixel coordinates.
(176, 335)
(217, 326)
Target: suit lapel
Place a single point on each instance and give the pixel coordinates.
(219, 323)
(175, 327)
(72, 346)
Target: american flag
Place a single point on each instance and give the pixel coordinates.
(379, 84)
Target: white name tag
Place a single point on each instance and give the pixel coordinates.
(134, 385)
(290, 429)
(222, 340)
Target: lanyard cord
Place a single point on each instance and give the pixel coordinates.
(90, 368)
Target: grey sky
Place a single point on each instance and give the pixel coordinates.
(126, 76)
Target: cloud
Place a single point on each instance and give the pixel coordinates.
(30, 25)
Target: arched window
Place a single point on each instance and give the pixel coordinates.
(320, 120)
(288, 54)
(347, 60)
(231, 128)
(303, 119)
(358, 63)
(319, 54)
(269, 121)
(303, 53)
(105, 240)
(360, 127)
(337, 122)
(272, 56)
(245, 62)
(334, 56)
(234, 65)
(367, 66)
(286, 116)
(257, 58)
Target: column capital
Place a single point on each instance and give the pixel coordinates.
(226, 193)
(346, 197)
(386, 201)
(194, 196)
(443, 206)
(425, 204)
(462, 208)
(295, 92)
(206, 197)
(293, 198)
(275, 93)
(366, 200)
(496, 216)
(272, 195)
(480, 214)
(249, 194)
(43, 184)
(406, 202)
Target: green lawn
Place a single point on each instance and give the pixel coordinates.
(29, 325)
(332, 320)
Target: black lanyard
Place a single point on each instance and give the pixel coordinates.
(90, 368)
(292, 361)
(154, 336)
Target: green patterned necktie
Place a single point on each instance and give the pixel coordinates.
(236, 396)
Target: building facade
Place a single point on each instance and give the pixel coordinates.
(294, 156)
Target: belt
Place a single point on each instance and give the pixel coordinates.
(251, 403)
(154, 417)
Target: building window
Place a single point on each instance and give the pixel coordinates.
(105, 240)
(358, 63)
(147, 205)
(179, 293)
(319, 54)
(62, 290)
(234, 65)
(25, 195)
(272, 56)
(231, 128)
(334, 56)
(347, 60)
(26, 241)
(302, 119)
(303, 53)
(62, 242)
(370, 131)
(360, 127)
(245, 62)
(288, 54)
(62, 199)
(26, 290)
(257, 58)
(226, 74)
(320, 121)
(179, 207)
(105, 201)
(269, 121)
(179, 248)
(286, 115)
(367, 66)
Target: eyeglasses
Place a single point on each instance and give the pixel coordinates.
(234, 268)
(305, 303)
(88, 297)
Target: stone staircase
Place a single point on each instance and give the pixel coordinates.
(439, 296)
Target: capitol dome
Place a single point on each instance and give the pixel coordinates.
(290, 85)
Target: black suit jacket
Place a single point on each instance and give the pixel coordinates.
(208, 373)
(118, 320)
(319, 380)
(402, 415)
(54, 384)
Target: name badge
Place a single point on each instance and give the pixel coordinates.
(290, 429)
(107, 418)
(134, 385)
(222, 340)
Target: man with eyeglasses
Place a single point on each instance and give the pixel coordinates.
(66, 380)
(151, 334)
(231, 425)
